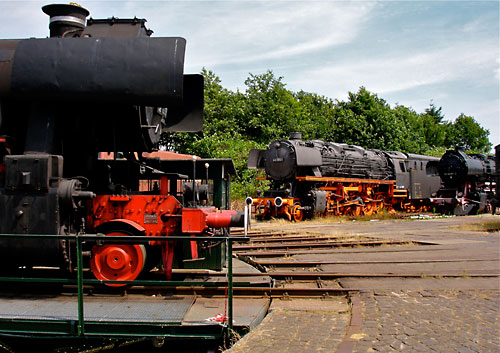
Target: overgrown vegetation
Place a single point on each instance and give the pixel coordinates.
(236, 122)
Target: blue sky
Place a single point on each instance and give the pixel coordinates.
(408, 52)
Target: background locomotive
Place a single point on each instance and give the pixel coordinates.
(95, 86)
(317, 177)
(467, 182)
(495, 202)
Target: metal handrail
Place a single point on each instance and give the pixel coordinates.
(127, 239)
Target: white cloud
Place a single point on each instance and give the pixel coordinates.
(238, 33)
(385, 73)
(408, 51)
(497, 70)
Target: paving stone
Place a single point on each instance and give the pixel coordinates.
(490, 347)
(465, 350)
(438, 315)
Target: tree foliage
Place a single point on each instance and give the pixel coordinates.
(235, 122)
(467, 133)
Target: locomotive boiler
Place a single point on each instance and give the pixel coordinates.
(467, 182)
(95, 86)
(317, 177)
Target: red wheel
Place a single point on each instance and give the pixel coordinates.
(368, 209)
(379, 204)
(297, 213)
(118, 262)
(355, 210)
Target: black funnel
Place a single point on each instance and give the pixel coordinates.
(66, 20)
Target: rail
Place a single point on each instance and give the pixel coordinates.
(80, 281)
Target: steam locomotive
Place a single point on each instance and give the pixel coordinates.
(95, 86)
(468, 182)
(317, 177)
(495, 201)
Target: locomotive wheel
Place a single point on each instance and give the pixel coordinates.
(297, 213)
(379, 205)
(368, 209)
(117, 262)
(355, 210)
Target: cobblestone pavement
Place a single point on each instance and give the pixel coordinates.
(297, 330)
(430, 321)
(430, 313)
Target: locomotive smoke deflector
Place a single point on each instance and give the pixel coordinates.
(292, 151)
(282, 158)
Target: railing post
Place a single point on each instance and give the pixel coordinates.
(230, 285)
(79, 269)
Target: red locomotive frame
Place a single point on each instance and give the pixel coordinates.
(345, 197)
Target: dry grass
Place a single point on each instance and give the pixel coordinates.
(343, 219)
(238, 205)
(490, 226)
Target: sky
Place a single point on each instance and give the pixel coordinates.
(411, 53)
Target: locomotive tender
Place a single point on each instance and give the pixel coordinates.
(468, 182)
(317, 177)
(95, 86)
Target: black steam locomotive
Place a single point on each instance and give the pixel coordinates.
(467, 182)
(316, 177)
(495, 201)
(94, 86)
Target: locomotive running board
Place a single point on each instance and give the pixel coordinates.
(345, 180)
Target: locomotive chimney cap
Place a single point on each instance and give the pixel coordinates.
(72, 14)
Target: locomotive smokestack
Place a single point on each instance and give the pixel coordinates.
(66, 20)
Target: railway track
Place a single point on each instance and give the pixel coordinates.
(304, 278)
(308, 243)
(272, 251)
(309, 263)
(351, 250)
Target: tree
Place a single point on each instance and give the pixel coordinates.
(467, 133)
(434, 129)
(368, 121)
(314, 116)
(235, 122)
(412, 137)
(271, 111)
(435, 113)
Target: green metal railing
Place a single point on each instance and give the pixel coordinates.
(28, 325)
